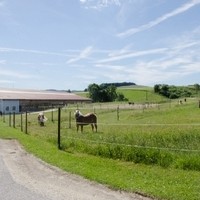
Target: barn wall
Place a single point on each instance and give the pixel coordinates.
(9, 106)
(38, 105)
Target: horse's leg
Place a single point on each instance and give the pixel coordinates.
(95, 125)
(81, 128)
(77, 127)
(92, 127)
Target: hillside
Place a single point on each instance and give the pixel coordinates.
(141, 95)
(136, 94)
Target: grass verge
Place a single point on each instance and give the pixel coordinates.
(154, 181)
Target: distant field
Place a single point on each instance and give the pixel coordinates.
(140, 95)
(136, 94)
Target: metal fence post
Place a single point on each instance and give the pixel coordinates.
(52, 114)
(21, 122)
(26, 124)
(4, 119)
(13, 119)
(118, 113)
(10, 119)
(70, 119)
(59, 147)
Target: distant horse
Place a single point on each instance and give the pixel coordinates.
(82, 120)
(41, 119)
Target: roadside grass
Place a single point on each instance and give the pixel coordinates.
(154, 181)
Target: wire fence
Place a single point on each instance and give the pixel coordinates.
(26, 120)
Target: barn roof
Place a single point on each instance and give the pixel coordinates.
(16, 94)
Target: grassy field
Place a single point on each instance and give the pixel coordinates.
(136, 94)
(150, 149)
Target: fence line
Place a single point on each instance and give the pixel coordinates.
(135, 146)
(106, 124)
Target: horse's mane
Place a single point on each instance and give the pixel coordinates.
(78, 114)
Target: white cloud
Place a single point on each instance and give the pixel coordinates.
(159, 20)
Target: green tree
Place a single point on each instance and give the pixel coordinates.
(197, 87)
(102, 93)
(94, 92)
(111, 92)
(157, 88)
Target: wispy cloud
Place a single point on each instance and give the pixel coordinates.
(2, 61)
(2, 4)
(133, 54)
(82, 55)
(10, 50)
(99, 4)
(161, 19)
(16, 74)
(178, 59)
(6, 81)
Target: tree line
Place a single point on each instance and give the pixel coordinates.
(107, 92)
(174, 92)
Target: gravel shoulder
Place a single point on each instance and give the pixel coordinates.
(50, 182)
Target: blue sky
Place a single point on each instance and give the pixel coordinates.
(69, 44)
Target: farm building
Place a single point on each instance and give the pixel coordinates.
(14, 100)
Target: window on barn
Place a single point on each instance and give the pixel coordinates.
(14, 108)
(7, 108)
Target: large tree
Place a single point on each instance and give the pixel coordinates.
(94, 92)
(102, 93)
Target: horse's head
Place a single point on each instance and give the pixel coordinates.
(77, 114)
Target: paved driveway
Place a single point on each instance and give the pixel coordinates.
(24, 177)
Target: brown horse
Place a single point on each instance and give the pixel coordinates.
(82, 120)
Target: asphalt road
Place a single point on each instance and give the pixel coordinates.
(24, 177)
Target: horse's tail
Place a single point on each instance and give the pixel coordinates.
(95, 122)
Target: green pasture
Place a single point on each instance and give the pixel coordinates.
(152, 149)
(136, 94)
(141, 95)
